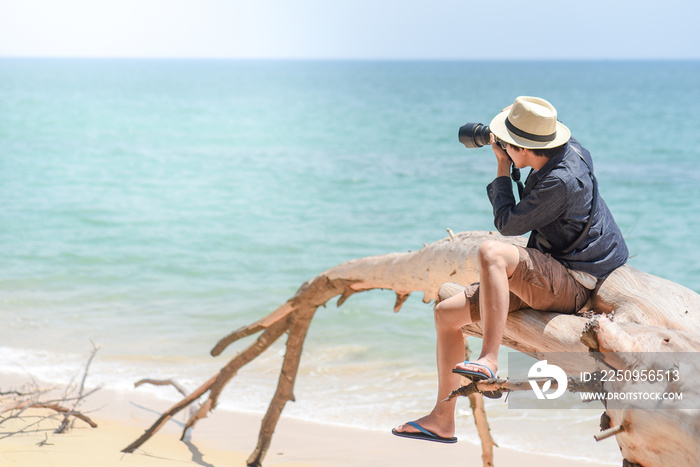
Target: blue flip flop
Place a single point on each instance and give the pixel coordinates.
(478, 376)
(422, 434)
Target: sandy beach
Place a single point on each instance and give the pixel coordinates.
(227, 438)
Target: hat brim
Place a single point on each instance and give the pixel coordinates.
(499, 129)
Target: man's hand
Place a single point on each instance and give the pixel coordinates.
(502, 157)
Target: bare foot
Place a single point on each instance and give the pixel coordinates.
(441, 426)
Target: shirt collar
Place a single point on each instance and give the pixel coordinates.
(551, 163)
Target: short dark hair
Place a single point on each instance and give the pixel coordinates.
(548, 153)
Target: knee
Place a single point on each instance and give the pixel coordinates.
(492, 253)
(443, 316)
(452, 313)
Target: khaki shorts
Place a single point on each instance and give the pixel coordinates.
(540, 282)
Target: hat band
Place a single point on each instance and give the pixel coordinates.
(524, 134)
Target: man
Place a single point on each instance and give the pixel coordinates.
(574, 242)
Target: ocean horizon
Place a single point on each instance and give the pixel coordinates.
(152, 206)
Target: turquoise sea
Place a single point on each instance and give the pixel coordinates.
(153, 206)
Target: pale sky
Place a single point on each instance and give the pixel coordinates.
(352, 29)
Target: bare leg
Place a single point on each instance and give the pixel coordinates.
(497, 262)
(450, 315)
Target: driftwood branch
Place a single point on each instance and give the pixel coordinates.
(194, 413)
(21, 406)
(476, 402)
(665, 315)
(16, 403)
(505, 386)
(162, 382)
(497, 385)
(608, 432)
(80, 397)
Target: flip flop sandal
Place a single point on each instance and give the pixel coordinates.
(478, 376)
(424, 434)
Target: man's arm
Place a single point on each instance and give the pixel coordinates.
(544, 204)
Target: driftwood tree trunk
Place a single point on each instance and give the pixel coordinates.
(661, 307)
(664, 436)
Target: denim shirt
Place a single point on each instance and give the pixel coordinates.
(556, 203)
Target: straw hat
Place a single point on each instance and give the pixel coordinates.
(530, 123)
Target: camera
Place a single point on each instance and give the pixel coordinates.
(474, 135)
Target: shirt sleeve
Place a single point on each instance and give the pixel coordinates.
(545, 203)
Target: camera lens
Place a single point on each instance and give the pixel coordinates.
(474, 135)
